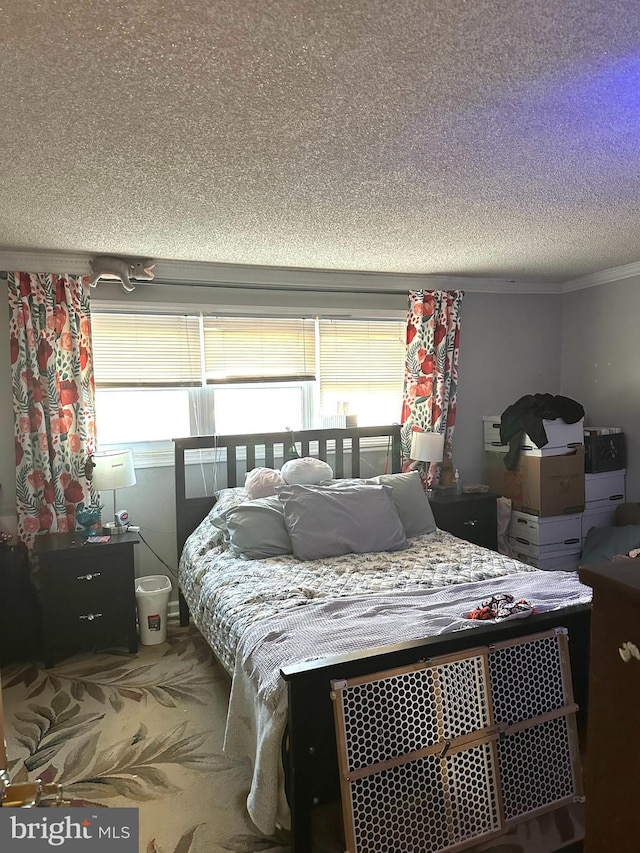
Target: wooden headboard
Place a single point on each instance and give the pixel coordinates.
(237, 454)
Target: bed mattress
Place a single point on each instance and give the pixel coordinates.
(227, 594)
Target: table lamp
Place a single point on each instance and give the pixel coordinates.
(426, 447)
(114, 470)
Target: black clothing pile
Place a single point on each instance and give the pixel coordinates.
(525, 416)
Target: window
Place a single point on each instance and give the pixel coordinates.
(163, 376)
(362, 369)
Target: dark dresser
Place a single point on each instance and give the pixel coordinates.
(613, 727)
(19, 612)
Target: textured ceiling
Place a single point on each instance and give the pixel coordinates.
(468, 137)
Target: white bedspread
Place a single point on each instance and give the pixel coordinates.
(258, 704)
(227, 594)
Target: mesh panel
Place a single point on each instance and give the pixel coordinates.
(440, 801)
(405, 713)
(526, 680)
(439, 757)
(535, 768)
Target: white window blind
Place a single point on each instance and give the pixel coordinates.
(132, 350)
(323, 367)
(361, 369)
(258, 349)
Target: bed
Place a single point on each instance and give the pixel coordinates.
(265, 617)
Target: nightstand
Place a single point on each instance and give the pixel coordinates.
(473, 517)
(19, 612)
(87, 593)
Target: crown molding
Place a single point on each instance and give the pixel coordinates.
(603, 277)
(204, 274)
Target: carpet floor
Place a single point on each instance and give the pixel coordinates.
(146, 731)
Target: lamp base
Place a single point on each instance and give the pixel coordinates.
(113, 529)
(443, 491)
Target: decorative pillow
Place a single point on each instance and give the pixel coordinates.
(604, 543)
(306, 470)
(262, 482)
(257, 529)
(229, 497)
(226, 499)
(326, 522)
(411, 502)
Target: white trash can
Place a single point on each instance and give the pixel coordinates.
(152, 598)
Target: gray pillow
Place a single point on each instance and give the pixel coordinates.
(226, 499)
(257, 529)
(604, 543)
(411, 502)
(325, 522)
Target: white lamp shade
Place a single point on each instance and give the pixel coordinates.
(114, 470)
(427, 446)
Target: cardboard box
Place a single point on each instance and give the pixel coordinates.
(600, 516)
(518, 545)
(605, 489)
(550, 530)
(549, 485)
(565, 562)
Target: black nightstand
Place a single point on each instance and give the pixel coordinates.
(473, 517)
(19, 612)
(87, 593)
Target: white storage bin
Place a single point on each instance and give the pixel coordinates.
(541, 551)
(561, 437)
(545, 530)
(604, 489)
(152, 598)
(568, 562)
(599, 516)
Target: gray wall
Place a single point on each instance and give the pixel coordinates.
(509, 346)
(601, 361)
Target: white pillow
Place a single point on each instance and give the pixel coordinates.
(262, 482)
(306, 471)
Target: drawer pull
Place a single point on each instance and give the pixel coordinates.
(88, 577)
(471, 523)
(90, 616)
(628, 651)
(616, 497)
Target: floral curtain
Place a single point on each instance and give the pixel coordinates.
(431, 367)
(53, 399)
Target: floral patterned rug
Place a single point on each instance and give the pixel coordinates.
(146, 730)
